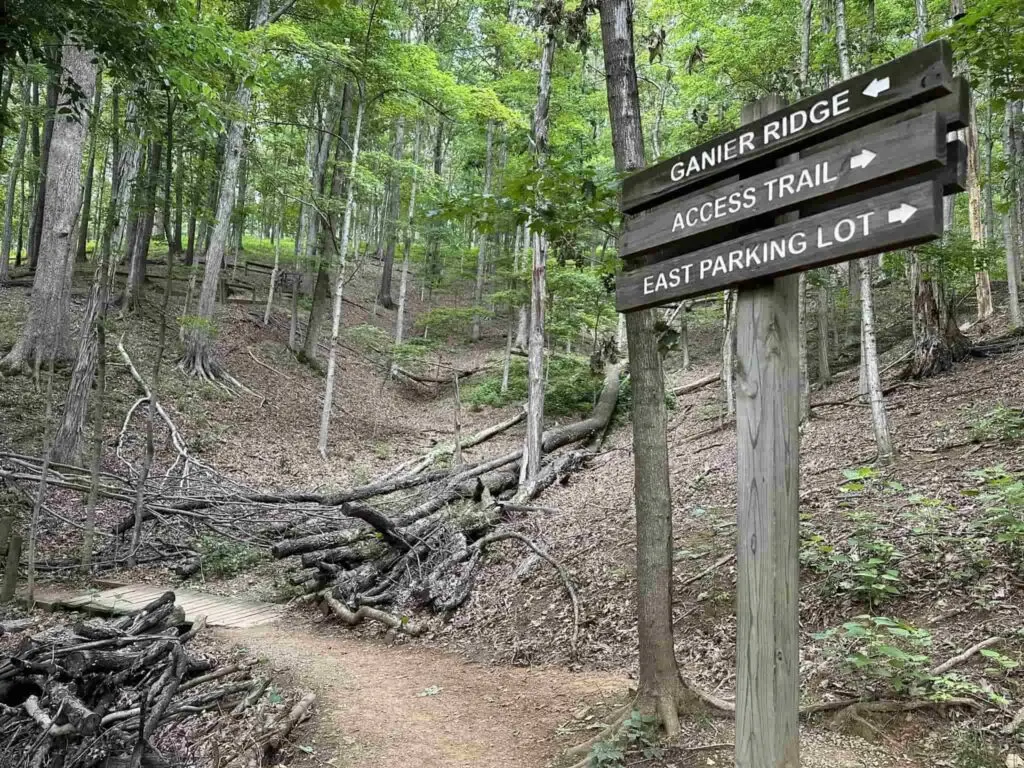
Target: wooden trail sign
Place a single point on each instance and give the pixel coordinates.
(920, 76)
(896, 152)
(893, 220)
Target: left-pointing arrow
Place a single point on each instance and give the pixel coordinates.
(862, 159)
(876, 86)
(902, 214)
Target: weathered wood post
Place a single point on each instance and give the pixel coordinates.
(767, 547)
(11, 569)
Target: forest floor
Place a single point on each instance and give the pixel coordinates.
(919, 543)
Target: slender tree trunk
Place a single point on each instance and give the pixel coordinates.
(90, 166)
(1011, 226)
(12, 182)
(805, 382)
(481, 256)
(198, 359)
(878, 418)
(45, 333)
(403, 284)
(824, 374)
(533, 448)
(179, 201)
(274, 274)
(982, 282)
(193, 208)
(39, 206)
(322, 287)
(806, 16)
(660, 687)
(391, 235)
(95, 348)
(139, 253)
(684, 334)
(728, 350)
(325, 416)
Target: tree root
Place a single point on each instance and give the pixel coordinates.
(352, 618)
(617, 717)
(943, 668)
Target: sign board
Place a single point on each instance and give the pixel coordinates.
(895, 152)
(900, 218)
(920, 76)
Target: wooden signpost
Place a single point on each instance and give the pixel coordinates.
(855, 170)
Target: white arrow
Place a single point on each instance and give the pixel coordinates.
(877, 86)
(862, 159)
(901, 214)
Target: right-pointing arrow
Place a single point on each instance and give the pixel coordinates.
(902, 214)
(862, 159)
(876, 86)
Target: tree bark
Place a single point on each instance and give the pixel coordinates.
(824, 374)
(975, 215)
(878, 418)
(12, 181)
(325, 415)
(139, 251)
(481, 256)
(403, 284)
(391, 234)
(660, 686)
(45, 334)
(538, 290)
(39, 205)
(729, 350)
(199, 359)
(1011, 228)
(90, 169)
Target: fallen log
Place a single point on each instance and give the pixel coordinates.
(693, 386)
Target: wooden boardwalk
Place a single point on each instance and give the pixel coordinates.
(219, 611)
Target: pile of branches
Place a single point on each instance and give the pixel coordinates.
(409, 541)
(120, 694)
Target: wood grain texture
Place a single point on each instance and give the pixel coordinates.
(897, 151)
(804, 244)
(768, 520)
(922, 75)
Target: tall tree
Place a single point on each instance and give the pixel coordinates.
(44, 336)
(661, 688)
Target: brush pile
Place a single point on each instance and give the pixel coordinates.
(131, 693)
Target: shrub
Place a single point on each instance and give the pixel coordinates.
(571, 387)
(1001, 423)
(223, 557)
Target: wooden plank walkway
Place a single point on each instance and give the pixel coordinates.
(219, 611)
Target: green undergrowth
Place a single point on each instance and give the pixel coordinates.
(223, 557)
(571, 386)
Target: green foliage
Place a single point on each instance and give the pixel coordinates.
(862, 568)
(1001, 423)
(571, 386)
(194, 322)
(894, 654)
(638, 734)
(223, 557)
(445, 322)
(1002, 495)
(971, 751)
(880, 648)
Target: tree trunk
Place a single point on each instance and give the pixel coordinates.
(982, 282)
(538, 292)
(481, 256)
(193, 209)
(179, 201)
(824, 374)
(728, 350)
(660, 687)
(44, 336)
(39, 206)
(805, 382)
(1011, 227)
(139, 252)
(198, 359)
(325, 416)
(322, 288)
(684, 334)
(403, 284)
(878, 418)
(391, 233)
(90, 168)
(12, 182)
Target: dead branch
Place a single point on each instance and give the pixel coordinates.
(352, 618)
(693, 386)
(713, 567)
(960, 658)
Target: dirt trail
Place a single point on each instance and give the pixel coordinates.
(402, 707)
